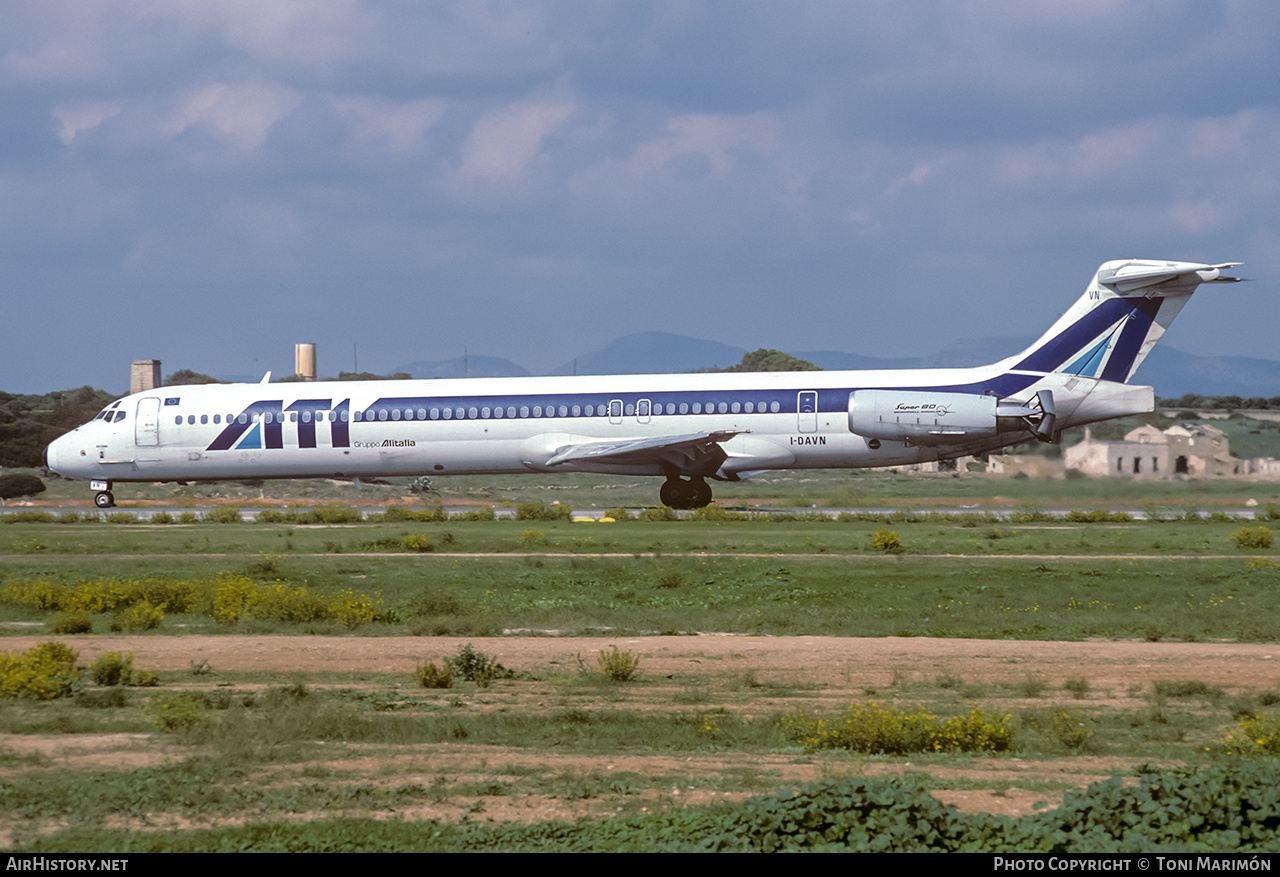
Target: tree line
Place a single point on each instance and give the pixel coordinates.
(29, 423)
(1229, 403)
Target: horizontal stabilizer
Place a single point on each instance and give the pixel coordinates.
(1138, 276)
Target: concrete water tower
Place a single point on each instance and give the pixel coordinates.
(145, 375)
(304, 361)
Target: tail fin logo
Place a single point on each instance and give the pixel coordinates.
(1090, 363)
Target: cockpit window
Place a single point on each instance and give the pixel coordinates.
(119, 417)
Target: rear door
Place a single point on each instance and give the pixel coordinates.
(807, 411)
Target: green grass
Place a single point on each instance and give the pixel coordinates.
(952, 579)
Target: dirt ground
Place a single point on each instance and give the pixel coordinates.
(832, 672)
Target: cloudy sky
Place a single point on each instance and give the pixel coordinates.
(208, 182)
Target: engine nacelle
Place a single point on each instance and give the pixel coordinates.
(935, 418)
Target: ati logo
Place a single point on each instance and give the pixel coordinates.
(262, 425)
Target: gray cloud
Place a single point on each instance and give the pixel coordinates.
(209, 182)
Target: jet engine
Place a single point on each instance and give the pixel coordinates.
(934, 418)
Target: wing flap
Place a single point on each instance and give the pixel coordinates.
(688, 454)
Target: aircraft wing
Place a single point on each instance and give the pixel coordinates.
(685, 453)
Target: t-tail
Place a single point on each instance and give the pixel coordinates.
(1110, 330)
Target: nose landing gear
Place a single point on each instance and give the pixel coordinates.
(103, 498)
(679, 493)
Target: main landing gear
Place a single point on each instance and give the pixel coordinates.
(678, 493)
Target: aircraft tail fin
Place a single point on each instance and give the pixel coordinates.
(1123, 313)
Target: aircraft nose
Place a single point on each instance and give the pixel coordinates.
(51, 456)
(57, 455)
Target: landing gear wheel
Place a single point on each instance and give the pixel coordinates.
(674, 493)
(104, 500)
(679, 493)
(700, 494)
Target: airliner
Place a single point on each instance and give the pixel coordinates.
(686, 428)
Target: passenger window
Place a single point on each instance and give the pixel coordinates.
(243, 418)
(422, 414)
(395, 414)
(537, 410)
(204, 418)
(382, 414)
(459, 413)
(448, 414)
(774, 407)
(590, 411)
(524, 410)
(724, 409)
(748, 408)
(471, 413)
(577, 410)
(177, 421)
(697, 407)
(497, 412)
(217, 418)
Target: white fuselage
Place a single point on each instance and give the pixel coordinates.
(513, 425)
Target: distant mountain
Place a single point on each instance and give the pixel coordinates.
(648, 353)
(1174, 373)
(466, 367)
(963, 353)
